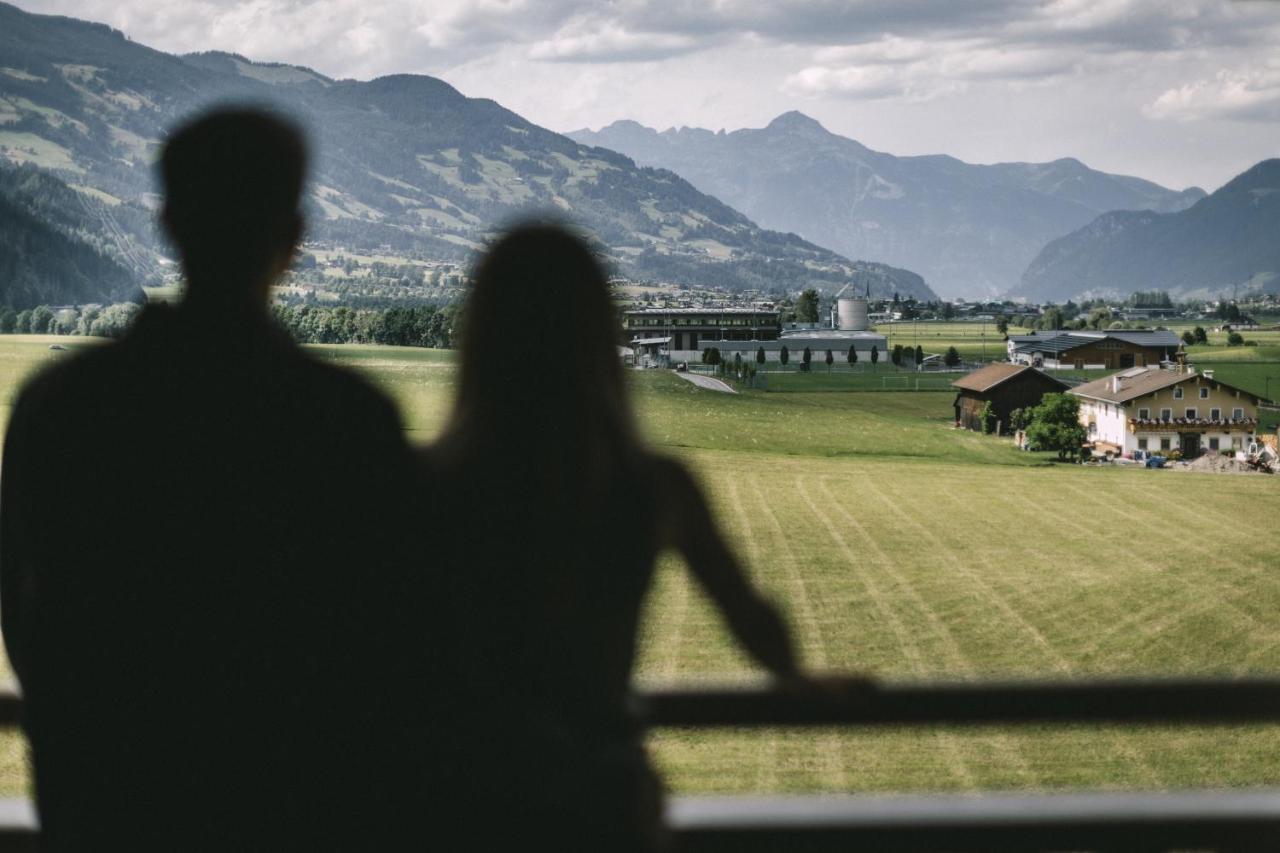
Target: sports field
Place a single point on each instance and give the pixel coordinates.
(903, 548)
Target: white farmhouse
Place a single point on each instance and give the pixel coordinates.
(1155, 409)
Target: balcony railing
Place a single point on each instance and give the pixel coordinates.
(1177, 424)
(1244, 820)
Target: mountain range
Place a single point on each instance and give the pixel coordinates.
(1227, 240)
(970, 230)
(404, 162)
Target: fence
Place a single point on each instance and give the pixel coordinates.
(1201, 820)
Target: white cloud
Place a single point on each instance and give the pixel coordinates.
(918, 70)
(870, 82)
(1246, 94)
(610, 42)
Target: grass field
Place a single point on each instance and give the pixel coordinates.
(974, 341)
(903, 548)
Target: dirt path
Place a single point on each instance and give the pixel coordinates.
(707, 382)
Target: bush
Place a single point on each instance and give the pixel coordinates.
(952, 357)
(1055, 425)
(988, 418)
(1235, 339)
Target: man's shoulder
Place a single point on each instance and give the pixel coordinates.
(70, 378)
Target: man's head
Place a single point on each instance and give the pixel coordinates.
(232, 181)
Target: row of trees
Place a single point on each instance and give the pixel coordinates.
(1198, 336)
(738, 369)
(109, 321)
(899, 355)
(420, 326)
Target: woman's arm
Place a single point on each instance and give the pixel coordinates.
(687, 526)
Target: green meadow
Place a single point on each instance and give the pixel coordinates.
(905, 549)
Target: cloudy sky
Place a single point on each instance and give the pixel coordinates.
(1179, 91)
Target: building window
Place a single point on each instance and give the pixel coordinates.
(1213, 444)
(1204, 393)
(1191, 414)
(1164, 444)
(1093, 428)
(1177, 393)
(1166, 415)
(1237, 442)
(1215, 414)
(1237, 414)
(1142, 444)
(1144, 414)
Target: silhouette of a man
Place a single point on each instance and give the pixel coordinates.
(196, 597)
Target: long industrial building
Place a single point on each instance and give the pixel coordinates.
(671, 335)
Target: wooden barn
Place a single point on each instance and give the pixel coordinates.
(1006, 387)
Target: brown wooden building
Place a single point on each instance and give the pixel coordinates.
(1006, 387)
(1087, 349)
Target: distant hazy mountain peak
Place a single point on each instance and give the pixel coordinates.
(794, 120)
(629, 124)
(970, 229)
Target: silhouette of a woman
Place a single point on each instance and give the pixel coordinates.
(553, 514)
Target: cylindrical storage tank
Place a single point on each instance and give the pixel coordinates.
(853, 315)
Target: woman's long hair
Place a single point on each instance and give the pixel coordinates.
(541, 390)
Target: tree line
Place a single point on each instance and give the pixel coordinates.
(103, 321)
(418, 326)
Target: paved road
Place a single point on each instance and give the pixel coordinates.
(707, 382)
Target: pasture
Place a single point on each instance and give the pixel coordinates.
(905, 549)
(974, 341)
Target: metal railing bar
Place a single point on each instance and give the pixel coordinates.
(858, 702)
(862, 702)
(1217, 820)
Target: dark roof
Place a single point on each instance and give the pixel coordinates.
(986, 378)
(1058, 340)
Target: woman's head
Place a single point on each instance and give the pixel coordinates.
(539, 359)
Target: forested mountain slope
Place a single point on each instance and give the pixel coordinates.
(1226, 242)
(51, 253)
(405, 162)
